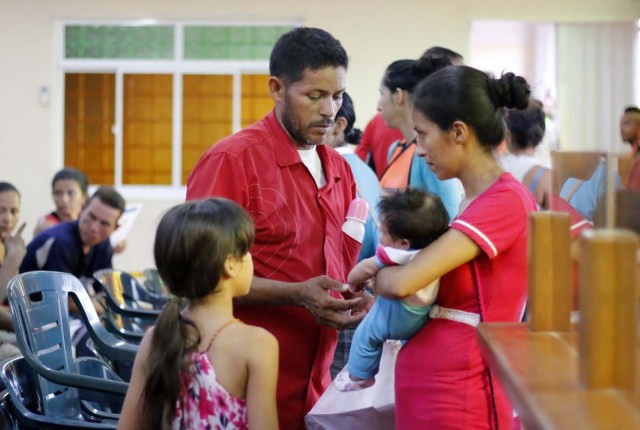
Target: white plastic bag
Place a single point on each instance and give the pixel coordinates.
(372, 408)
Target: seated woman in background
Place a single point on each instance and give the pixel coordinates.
(12, 250)
(69, 191)
(525, 130)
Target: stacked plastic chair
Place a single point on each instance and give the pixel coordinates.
(47, 388)
(154, 283)
(129, 308)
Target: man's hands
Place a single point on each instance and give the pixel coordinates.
(355, 289)
(330, 311)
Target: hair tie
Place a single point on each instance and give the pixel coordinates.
(175, 299)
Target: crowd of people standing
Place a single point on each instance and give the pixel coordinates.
(261, 273)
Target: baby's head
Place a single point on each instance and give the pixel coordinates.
(195, 239)
(411, 219)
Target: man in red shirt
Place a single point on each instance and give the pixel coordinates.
(297, 191)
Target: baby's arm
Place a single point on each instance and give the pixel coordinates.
(362, 272)
(262, 363)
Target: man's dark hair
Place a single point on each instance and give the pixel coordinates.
(6, 186)
(415, 215)
(110, 197)
(632, 109)
(305, 48)
(439, 52)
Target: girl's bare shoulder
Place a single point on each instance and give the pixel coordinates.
(250, 340)
(251, 333)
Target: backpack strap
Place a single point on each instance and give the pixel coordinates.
(536, 178)
(396, 175)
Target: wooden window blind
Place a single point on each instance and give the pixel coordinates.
(206, 115)
(89, 114)
(147, 129)
(256, 101)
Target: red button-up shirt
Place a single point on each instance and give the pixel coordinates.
(298, 236)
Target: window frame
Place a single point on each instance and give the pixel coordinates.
(177, 67)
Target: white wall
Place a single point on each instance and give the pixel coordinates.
(374, 32)
(595, 83)
(523, 47)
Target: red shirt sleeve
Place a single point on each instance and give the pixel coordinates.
(495, 219)
(218, 174)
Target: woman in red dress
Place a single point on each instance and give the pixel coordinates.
(442, 381)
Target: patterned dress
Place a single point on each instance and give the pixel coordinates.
(204, 403)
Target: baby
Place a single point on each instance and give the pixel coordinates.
(410, 220)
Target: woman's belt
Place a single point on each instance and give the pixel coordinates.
(464, 317)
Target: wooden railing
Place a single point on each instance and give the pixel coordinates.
(563, 376)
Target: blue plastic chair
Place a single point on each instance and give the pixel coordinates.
(23, 406)
(126, 296)
(67, 388)
(7, 412)
(154, 283)
(129, 309)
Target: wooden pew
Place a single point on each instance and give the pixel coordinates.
(562, 377)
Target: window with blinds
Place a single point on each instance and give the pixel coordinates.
(139, 110)
(88, 118)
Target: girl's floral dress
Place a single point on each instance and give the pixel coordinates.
(204, 403)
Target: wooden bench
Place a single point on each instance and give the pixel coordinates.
(560, 376)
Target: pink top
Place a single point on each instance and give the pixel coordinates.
(205, 403)
(435, 390)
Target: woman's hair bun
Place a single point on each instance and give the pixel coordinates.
(510, 91)
(427, 65)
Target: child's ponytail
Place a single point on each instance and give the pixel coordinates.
(174, 338)
(192, 243)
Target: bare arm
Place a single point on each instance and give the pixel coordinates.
(449, 251)
(6, 322)
(262, 411)
(542, 191)
(545, 184)
(363, 271)
(132, 408)
(15, 252)
(313, 294)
